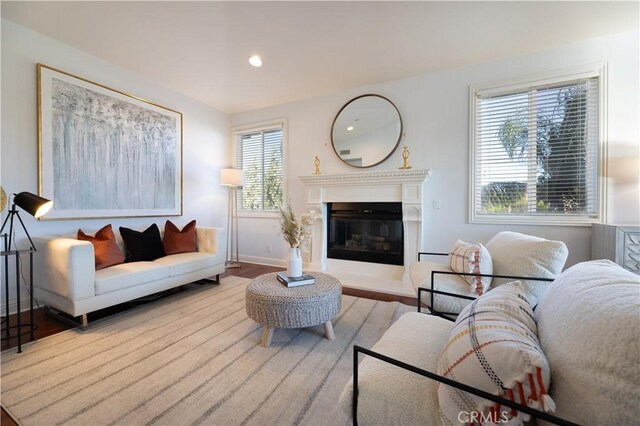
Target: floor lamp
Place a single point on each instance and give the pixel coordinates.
(36, 206)
(234, 179)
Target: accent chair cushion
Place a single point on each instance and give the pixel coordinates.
(589, 327)
(472, 259)
(142, 246)
(420, 273)
(177, 241)
(106, 250)
(523, 255)
(389, 395)
(493, 347)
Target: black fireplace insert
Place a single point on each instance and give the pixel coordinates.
(366, 232)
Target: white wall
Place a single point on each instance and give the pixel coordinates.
(434, 108)
(206, 130)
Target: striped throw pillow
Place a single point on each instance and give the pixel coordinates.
(472, 259)
(493, 346)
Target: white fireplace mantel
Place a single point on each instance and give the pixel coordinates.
(362, 178)
(405, 186)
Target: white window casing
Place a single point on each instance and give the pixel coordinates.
(538, 149)
(260, 151)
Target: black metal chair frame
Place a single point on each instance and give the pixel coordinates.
(458, 385)
(433, 292)
(478, 392)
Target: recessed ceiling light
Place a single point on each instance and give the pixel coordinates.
(350, 128)
(255, 61)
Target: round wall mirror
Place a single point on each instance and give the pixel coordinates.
(366, 131)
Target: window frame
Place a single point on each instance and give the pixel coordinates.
(598, 70)
(260, 127)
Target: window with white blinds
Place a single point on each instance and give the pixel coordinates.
(259, 153)
(536, 152)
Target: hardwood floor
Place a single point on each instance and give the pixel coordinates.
(47, 325)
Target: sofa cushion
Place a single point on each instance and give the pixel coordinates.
(105, 249)
(142, 246)
(179, 241)
(589, 327)
(493, 347)
(390, 395)
(183, 263)
(421, 277)
(127, 275)
(523, 255)
(472, 259)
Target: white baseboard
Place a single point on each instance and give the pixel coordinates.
(13, 305)
(268, 261)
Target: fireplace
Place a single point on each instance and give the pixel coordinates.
(365, 232)
(326, 192)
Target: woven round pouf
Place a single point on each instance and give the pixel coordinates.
(273, 305)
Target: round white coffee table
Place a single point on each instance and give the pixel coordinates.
(273, 305)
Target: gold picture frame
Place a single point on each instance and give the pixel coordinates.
(103, 153)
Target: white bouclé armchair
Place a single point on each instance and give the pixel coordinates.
(535, 261)
(588, 324)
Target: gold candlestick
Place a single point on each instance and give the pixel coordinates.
(405, 158)
(316, 162)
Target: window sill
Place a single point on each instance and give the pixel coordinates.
(258, 214)
(535, 221)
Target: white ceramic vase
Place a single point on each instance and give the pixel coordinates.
(294, 262)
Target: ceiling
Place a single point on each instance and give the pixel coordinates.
(309, 49)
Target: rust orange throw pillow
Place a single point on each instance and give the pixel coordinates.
(176, 241)
(105, 247)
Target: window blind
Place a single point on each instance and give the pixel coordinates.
(259, 155)
(537, 150)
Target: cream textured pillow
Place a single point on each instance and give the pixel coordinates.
(493, 347)
(589, 326)
(472, 259)
(420, 273)
(522, 255)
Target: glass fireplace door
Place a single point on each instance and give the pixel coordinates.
(366, 232)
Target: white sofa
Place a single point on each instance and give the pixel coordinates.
(588, 325)
(65, 277)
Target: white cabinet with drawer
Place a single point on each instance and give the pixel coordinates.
(618, 243)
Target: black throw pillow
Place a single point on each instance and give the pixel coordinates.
(142, 246)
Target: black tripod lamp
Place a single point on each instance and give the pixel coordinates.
(33, 204)
(36, 206)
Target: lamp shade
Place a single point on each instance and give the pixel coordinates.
(33, 204)
(231, 177)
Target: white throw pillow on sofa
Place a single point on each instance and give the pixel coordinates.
(523, 255)
(589, 328)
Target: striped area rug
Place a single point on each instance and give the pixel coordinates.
(192, 358)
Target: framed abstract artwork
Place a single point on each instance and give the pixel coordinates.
(104, 153)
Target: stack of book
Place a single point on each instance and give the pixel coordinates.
(304, 279)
